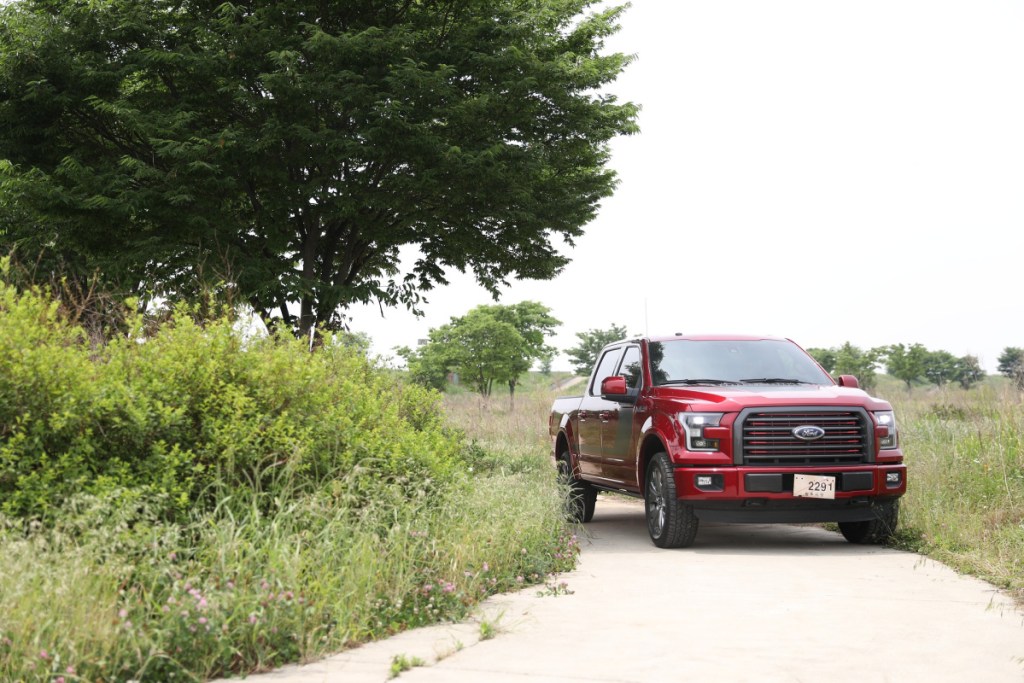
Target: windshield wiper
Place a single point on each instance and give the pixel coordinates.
(773, 380)
(716, 382)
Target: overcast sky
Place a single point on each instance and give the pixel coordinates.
(818, 170)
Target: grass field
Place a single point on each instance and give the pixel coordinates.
(965, 499)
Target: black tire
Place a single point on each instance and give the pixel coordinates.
(582, 499)
(671, 523)
(875, 531)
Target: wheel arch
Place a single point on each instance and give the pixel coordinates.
(651, 445)
(562, 445)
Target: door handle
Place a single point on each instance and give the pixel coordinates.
(605, 415)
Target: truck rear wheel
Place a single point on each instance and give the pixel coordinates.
(875, 531)
(671, 523)
(582, 499)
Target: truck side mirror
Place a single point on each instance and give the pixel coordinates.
(849, 381)
(613, 386)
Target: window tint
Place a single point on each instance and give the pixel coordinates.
(606, 368)
(630, 367)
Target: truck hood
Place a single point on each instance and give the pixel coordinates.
(735, 398)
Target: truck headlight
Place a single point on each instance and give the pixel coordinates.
(886, 420)
(693, 425)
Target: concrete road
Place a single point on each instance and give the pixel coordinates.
(745, 603)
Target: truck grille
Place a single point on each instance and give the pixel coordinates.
(767, 438)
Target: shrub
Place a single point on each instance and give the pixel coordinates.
(191, 412)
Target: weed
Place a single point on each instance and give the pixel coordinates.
(402, 663)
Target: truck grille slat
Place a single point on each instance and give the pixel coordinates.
(768, 440)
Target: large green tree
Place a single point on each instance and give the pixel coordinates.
(310, 154)
(584, 355)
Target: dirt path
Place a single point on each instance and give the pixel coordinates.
(746, 603)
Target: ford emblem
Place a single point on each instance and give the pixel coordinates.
(808, 432)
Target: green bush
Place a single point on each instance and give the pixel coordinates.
(191, 411)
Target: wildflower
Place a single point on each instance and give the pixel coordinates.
(486, 567)
(449, 587)
(519, 579)
(122, 613)
(172, 556)
(231, 585)
(253, 619)
(70, 670)
(202, 620)
(44, 655)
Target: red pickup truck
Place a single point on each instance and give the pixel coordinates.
(729, 428)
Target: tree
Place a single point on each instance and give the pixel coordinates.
(534, 323)
(968, 371)
(940, 367)
(1011, 364)
(851, 360)
(584, 355)
(297, 150)
(428, 365)
(486, 345)
(905, 363)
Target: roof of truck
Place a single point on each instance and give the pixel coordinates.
(714, 337)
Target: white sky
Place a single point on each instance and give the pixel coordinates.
(820, 170)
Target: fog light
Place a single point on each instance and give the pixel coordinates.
(892, 478)
(709, 482)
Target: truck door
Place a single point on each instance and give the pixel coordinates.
(589, 425)
(618, 457)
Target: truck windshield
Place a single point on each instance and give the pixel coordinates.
(758, 361)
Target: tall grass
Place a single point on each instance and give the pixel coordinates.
(965, 498)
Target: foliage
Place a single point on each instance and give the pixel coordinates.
(967, 371)
(534, 323)
(292, 150)
(908, 364)
(328, 504)
(851, 360)
(905, 363)
(584, 355)
(490, 343)
(1011, 364)
(965, 498)
(189, 412)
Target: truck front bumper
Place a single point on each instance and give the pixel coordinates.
(759, 494)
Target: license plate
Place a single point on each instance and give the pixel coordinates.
(812, 486)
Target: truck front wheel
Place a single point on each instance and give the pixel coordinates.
(671, 523)
(582, 496)
(878, 530)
